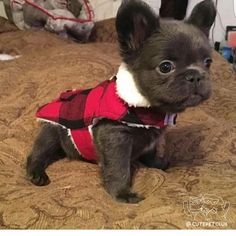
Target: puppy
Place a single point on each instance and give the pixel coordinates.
(165, 70)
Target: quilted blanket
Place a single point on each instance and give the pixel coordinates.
(197, 191)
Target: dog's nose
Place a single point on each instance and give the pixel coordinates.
(194, 77)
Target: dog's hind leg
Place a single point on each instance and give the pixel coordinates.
(46, 150)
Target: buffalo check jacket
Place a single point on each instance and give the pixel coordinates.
(78, 110)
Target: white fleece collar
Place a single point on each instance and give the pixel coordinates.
(127, 89)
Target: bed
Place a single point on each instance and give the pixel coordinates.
(198, 187)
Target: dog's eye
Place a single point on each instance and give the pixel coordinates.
(166, 67)
(208, 62)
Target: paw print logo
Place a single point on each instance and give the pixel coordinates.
(207, 207)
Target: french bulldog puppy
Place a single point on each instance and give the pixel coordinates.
(165, 70)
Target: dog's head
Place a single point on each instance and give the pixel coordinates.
(168, 61)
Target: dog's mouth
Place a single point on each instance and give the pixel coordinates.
(179, 106)
(193, 100)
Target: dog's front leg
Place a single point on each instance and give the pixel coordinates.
(155, 157)
(114, 146)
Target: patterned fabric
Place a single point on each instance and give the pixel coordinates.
(201, 148)
(77, 110)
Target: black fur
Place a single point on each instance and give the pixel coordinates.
(203, 16)
(118, 147)
(145, 42)
(182, 43)
(135, 22)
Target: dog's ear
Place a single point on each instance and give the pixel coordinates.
(203, 16)
(135, 22)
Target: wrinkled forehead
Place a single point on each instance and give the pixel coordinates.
(184, 42)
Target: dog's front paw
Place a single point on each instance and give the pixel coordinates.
(41, 179)
(152, 161)
(129, 198)
(160, 163)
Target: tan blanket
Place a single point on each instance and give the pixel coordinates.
(202, 148)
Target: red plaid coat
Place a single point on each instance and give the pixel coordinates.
(78, 110)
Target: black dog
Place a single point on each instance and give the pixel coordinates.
(165, 70)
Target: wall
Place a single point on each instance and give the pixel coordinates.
(2, 10)
(105, 9)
